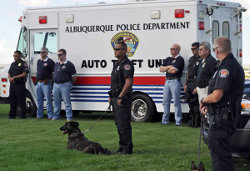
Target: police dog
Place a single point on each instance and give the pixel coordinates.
(77, 140)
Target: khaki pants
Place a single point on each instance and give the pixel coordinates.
(202, 93)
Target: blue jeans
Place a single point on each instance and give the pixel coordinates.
(44, 90)
(62, 92)
(172, 88)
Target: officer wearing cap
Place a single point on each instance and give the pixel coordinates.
(223, 105)
(120, 96)
(190, 85)
(17, 77)
(45, 68)
(64, 75)
(173, 67)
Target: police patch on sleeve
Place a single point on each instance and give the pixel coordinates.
(127, 67)
(223, 73)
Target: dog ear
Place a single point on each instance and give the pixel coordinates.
(74, 123)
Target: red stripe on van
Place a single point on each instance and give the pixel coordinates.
(160, 80)
(106, 80)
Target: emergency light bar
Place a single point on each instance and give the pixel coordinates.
(42, 19)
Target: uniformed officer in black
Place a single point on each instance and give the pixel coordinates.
(190, 85)
(223, 105)
(17, 77)
(121, 97)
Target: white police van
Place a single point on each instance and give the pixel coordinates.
(149, 28)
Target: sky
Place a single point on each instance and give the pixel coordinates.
(11, 10)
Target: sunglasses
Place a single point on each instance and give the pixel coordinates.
(117, 49)
(59, 54)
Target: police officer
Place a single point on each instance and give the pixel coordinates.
(121, 97)
(17, 77)
(190, 85)
(45, 68)
(223, 105)
(206, 69)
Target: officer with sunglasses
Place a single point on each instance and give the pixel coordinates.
(45, 69)
(120, 96)
(64, 76)
(190, 85)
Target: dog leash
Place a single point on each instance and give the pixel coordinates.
(199, 147)
(88, 129)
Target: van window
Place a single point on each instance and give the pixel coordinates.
(22, 42)
(45, 39)
(225, 29)
(215, 31)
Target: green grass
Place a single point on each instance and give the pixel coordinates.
(39, 145)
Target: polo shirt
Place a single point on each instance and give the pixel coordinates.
(177, 62)
(45, 68)
(64, 72)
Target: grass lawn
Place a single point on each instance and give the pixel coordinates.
(39, 145)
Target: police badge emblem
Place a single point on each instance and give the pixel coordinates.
(129, 38)
(223, 73)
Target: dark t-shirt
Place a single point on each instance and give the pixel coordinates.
(178, 63)
(45, 68)
(64, 72)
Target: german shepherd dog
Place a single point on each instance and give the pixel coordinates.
(77, 140)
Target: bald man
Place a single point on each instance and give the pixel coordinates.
(173, 67)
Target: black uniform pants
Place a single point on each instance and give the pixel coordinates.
(122, 121)
(17, 100)
(192, 99)
(219, 140)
